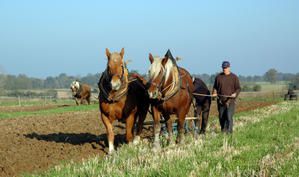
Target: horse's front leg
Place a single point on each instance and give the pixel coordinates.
(110, 133)
(169, 124)
(181, 121)
(77, 102)
(157, 128)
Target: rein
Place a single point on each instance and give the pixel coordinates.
(205, 95)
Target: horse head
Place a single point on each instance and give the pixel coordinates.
(159, 73)
(115, 68)
(75, 85)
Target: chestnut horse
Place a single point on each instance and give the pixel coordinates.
(170, 88)
(80, 92)
(121, 99)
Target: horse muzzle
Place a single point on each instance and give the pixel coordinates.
(115, 85)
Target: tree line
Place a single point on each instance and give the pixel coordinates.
(13, 82)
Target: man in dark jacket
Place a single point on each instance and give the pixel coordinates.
(226, 88)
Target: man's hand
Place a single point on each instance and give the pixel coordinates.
(234, 95)
(214, 93)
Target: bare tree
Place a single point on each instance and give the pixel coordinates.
(271, 75)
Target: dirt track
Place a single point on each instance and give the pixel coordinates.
(33, 144)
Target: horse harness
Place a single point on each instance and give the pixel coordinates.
(118, 94)
(171, 93)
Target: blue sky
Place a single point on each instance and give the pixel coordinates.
(43, 38)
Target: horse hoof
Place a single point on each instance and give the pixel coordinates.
(111, 151)
(156, 147)
(180, 141)
(136, 140)
(171, 143)
(196, 135)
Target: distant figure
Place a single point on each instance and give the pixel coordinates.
(226, 88)
(80, 92)
(291, 95)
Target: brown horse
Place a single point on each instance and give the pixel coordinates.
(80, 92)
(171, 91)
(121, 99)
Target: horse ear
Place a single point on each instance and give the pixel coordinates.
(107, 53)
(151, 58)
(122, 52)
(164, 61)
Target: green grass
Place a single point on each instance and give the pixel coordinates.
(291, 167)
(261, 99)
(258, 135)
(34, 102)
(5, 115)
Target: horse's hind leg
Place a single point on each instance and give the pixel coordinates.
(205, 118)
(129, 127)
(110, 133)
(141, 117)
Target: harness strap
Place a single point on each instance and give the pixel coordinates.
(175, 91)
(118, 94)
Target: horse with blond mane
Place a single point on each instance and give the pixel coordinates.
(170, 88)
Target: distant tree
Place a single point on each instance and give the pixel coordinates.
(296, 81)
(288, 76)
(257, 78)
(37, 83)
(212, 78)
(51, 82)
(2, 83)
(271, 75)
(91, 79)
(242, 78)
(205, 77)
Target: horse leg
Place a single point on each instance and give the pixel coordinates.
(198, 121)
(110, 133)
(169, 123)
(77, 102)
(181, 121)
(157, 128)
(129, 127)
(205, 118)
(88, 100)
(141, 117)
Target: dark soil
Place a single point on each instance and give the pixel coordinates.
(33, 144)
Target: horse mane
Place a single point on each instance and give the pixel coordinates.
(75, 84)
(156, 67)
